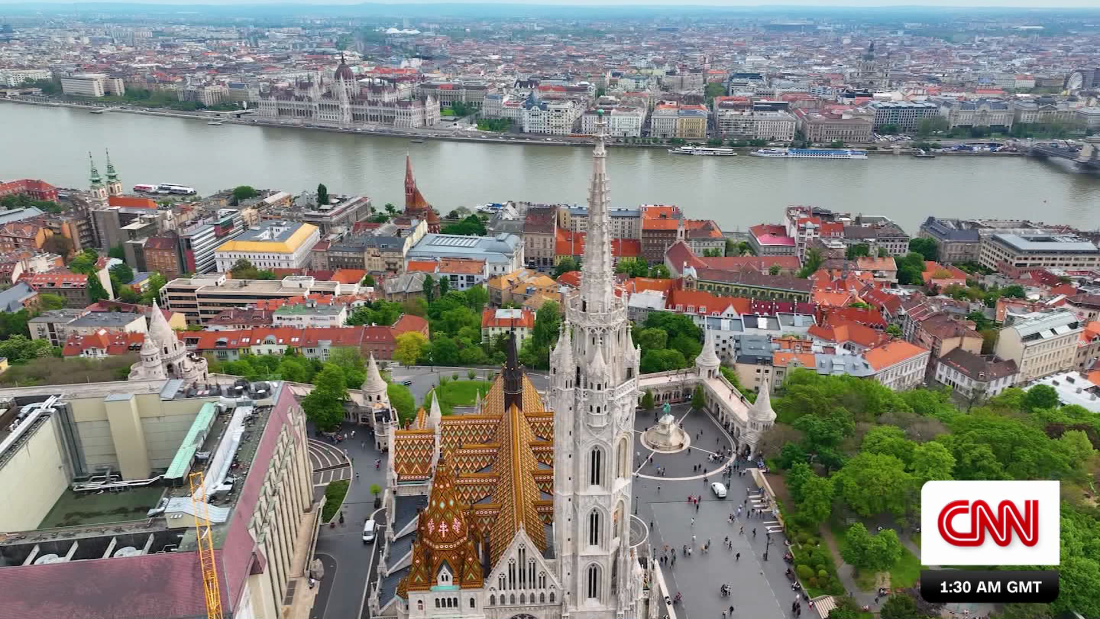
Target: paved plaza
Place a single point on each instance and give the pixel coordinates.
(759, 588)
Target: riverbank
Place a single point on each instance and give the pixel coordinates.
(435, 134)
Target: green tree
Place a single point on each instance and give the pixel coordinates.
(888, 440)
(402, 401)
(893, 330)
(662, 361)
(242, 193)
(712, 253)
(410, 347)
(871, 552)
(59, 245)
(368, 281)
(565, 265)
(817, 500)
(857, 251)
(901, 606)
(123, 272)
(931, 462)
(659, 271)
(444, 351)
(928, 248)
(470, 226)
(20, 348)
(774, 270)
(49, 301)
(444, 285)
(712, 90)
(152, 291)
(1040, 397)
(634, 267)
(322, 194)
(910, 268)
(797, 476)
(652, 339)
(647, 400)
(873, 484)
(698, 398)
(96, 291)
(324, 406)
(351, 363)
(84, 262)
(429, 288)
(813, 262)
(731, 248)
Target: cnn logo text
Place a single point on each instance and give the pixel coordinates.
(990, 523)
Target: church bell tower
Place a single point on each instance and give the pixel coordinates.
(593, 393)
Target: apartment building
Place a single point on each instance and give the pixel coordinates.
(898, 364)
(199, 241)
(497, 322)
(849, 126)
(460, 273)
(1002, 252)
(502, 253)
(626, 223)
(551, 117)
(906, 116)
(958, 240)
(201, 297)
(974, 376)
(622, 121)
(1041, 343)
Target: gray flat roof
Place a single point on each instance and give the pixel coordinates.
(1047, 243)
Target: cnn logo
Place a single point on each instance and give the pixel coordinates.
(990, 523)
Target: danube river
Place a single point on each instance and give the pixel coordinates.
(737, 192)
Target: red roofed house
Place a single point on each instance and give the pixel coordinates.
(132, 202)
(103, 343)
(73, 287)
(850, 336)
(495, 322)
(898, 364)
(771, 240)
(572, 244)
(35, 189)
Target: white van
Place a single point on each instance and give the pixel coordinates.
(370, 527)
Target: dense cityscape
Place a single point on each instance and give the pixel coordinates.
(301, 400)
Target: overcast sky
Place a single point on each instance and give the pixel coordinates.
(1085, 4)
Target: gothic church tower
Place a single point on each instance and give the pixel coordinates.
(593, 393)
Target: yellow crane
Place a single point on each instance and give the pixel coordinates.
(205, 539)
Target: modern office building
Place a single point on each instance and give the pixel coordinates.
(202, 297)
(199, 241)
(271, 245)
(92, 85)
(1004, 252)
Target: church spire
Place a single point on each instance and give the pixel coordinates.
(597, 275)
(112, 175)
(513, 376)
(94, 176)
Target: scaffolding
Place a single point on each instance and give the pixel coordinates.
(205, 539)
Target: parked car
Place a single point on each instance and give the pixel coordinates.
(370, 529)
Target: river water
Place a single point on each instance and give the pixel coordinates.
(737, 192)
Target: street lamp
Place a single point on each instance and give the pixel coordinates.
(767, 545)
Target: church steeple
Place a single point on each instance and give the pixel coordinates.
(513, 376)
(597, 274)
(114, 183)
(94, 177)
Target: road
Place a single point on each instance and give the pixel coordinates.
(344, 543)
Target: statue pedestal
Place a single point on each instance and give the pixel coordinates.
(666, 436)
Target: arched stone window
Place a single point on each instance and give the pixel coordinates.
(595, 467)
(592, 582)
(594, 528)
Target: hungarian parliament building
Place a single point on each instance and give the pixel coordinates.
(344, 102)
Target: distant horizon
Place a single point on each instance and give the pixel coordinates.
(1038, 5)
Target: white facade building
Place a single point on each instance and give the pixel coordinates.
(551, 117)
(271, 245)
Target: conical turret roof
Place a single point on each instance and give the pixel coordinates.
(708, 358)
(762, 409)
(159, 329)
(373, 384)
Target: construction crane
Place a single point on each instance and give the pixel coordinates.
(205, 539)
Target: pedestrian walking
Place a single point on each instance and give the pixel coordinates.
(693, 541)
(742, 530)
(692, 522)
(738, 557)
(658, 489)
(697, 506)
(731, 610)
(754, 531)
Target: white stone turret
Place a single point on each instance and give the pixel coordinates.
(435, 415)
(150, 367)
(761, 410)
(175, 361)
(374, 387)
(708, 362)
